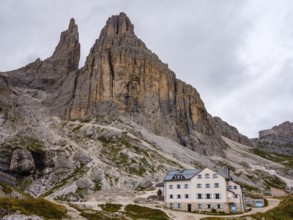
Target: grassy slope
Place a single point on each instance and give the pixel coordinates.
(31, 206)
(278, 158)
(283, 212)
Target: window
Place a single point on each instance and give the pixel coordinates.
(178, 177)
(186, 186)
(171, 205)
(216, 185)
(230, 187)
(198, 185)
(209, 206)
(215, 175)
(208, 196)
(218, 206)
(235, 187)
(199, 196)
(207, 176)
(178, 196)
(208, 185)
(217, 196)
(178, 205)
(199, 206)
(186, 196)
(170, 186)
(171, 196)
(236, 196)
(199, 176)
(178, 186)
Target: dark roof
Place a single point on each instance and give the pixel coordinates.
(160, 184)
(224, 172)
(181, 174)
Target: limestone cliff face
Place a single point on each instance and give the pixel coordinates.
(228, 131)
(122, 76)
(44, 74)
(278, 139)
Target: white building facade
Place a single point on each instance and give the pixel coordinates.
(202, 190)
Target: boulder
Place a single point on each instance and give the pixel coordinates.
(82, 157)
(22, 161)
(145, 184)
(84, 183)
(97, 175)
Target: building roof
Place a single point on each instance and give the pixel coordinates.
(160, 184)
(181, 174)
(224, 172)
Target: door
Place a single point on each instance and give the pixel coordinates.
(189, 207)
(233, 208)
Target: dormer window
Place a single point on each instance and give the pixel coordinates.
(207, 176)
(178, 176)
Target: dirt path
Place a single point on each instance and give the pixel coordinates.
(176, 215)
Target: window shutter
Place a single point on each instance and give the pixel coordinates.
(220, 196)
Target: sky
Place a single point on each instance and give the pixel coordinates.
(238, 54)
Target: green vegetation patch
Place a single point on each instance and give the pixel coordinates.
(72, 177)
(247, 187)
(282, 212)
(5, 188)
(140, 212)
(278, 158)
(110, 207)
(31, 206)
(113, 152)
(98, 186)
(274, 181)
(26, 142)
(107, 214)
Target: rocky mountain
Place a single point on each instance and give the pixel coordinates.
(121, 76)
(278, 139)
(121, 121)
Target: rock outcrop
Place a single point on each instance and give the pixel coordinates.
(44, 74)
(22, 161)
(122, 76)
(278, 139)
(228, 131)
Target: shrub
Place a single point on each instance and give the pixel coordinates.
(140, 212)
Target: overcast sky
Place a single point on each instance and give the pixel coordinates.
(237, 53)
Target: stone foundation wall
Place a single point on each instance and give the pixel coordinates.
(194, 206)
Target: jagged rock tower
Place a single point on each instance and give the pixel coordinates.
(121, 76)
